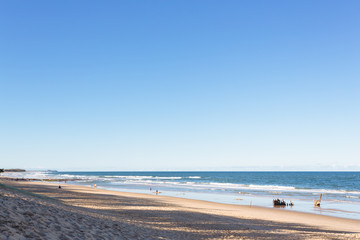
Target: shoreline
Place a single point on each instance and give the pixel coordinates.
(348, 210)
(241, 188)
(106, 202)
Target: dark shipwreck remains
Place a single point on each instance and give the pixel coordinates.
(281, 203)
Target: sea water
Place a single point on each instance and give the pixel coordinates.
(340, 190)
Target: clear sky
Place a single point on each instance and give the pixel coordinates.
(180, 85)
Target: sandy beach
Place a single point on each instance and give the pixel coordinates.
(36, 210)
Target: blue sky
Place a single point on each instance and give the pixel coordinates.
(180, 85)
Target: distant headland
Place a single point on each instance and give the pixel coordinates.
(13, 170)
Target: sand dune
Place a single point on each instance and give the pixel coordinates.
(43, 211)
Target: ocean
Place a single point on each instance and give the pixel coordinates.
(340, 190)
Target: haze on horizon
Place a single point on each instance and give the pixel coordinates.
(180, 85)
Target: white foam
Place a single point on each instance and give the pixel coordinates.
(251, 187)
(142, 177)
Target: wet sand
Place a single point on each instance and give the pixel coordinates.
(43, 211)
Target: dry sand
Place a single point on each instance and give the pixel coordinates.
(43, 211)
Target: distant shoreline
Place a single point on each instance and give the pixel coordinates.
(38, 179)
(14, 170)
